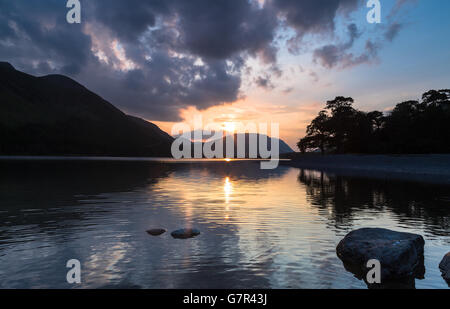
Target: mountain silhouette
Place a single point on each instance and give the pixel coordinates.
(55, 115)
(283, 146)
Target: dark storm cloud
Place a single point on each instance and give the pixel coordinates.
(158, 88)
(34, 35)
(312, 15)
(128, 19)
(216, 30)
(168, 54)
(225, 28)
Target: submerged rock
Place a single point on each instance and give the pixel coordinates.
(444, 266)
(156, 232)
(185, 233)
(400, 254)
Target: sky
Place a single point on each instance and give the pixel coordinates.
(231, 61)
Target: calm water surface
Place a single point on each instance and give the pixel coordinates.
(259, 229)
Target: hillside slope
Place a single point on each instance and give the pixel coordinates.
(55, 115)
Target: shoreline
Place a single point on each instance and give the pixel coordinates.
(433, 168)
(428, 168)
(131, 159)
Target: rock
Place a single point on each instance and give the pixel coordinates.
(185, 233)
(400, 254)
(444, 266)
(156, 232)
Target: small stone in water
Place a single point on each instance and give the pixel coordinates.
(185, 233)
(156, 232)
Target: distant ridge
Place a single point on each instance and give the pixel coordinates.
(55, 115)
(284, 148)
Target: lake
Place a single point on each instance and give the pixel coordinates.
(259, 228)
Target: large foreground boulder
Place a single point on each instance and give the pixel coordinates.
(185, 233)
(444, 266)
(400, 254)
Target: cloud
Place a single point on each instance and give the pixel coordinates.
(393, 25)
(392, 31)
(162, 86)
(153, 58)
(338, 55)
(288, 90)
(398, 6)
(307, 16)
(36, 36)
(215, 31)
(314, 76)
(264, 82)
(369, 55)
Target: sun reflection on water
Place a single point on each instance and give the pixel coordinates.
(228, 190)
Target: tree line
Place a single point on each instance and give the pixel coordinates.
(415, 127)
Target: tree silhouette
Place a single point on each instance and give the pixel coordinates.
(317, 133)
(411, 127)
(377, 119)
